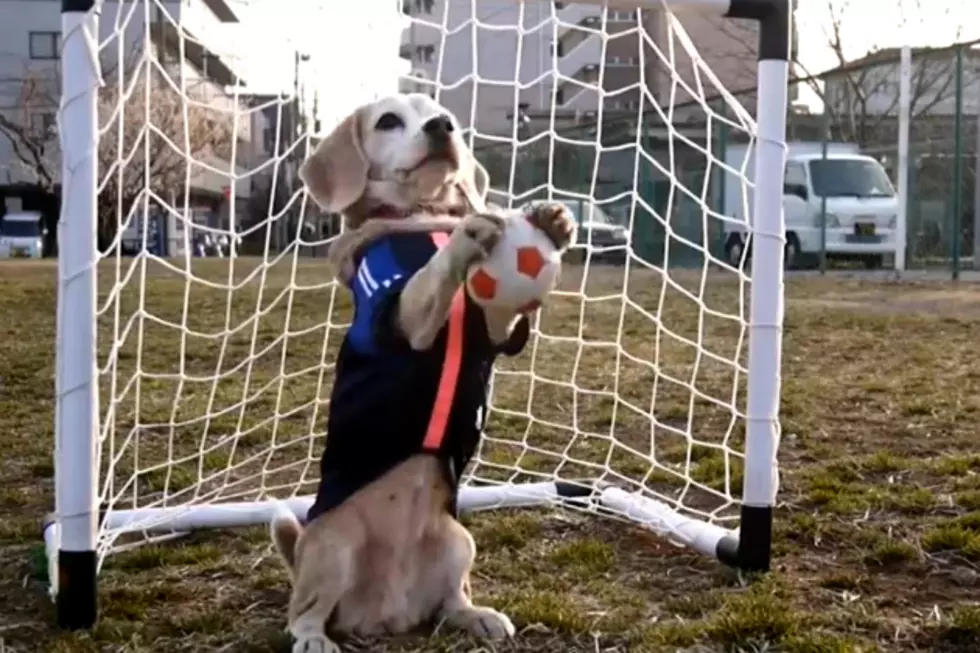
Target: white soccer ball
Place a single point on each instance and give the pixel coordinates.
(519, 273)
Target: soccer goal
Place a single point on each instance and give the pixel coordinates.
(197, 323)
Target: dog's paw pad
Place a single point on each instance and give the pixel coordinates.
(493, 624)
(484, 231)
(315, 644)
(474, 240)
(556, 220)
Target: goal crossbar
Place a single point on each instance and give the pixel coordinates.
(72, 532)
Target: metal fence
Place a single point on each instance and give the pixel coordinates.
(930, 98)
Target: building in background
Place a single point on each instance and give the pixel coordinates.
(527, 58)
(174, 40)
(283, 136)
(862, 102)
(870, 85)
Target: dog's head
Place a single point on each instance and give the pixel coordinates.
(402, 153)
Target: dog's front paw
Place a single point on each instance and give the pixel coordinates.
(490, 624)
(555, 220)
(474, 239)
(315, 644)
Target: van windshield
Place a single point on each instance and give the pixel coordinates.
(592, 212)
(849, 178)
(20, 228)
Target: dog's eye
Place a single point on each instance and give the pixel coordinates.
(389, 121)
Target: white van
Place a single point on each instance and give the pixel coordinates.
(861, 205)
(22, 235)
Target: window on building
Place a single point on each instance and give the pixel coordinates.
(794, 175)
(559, 5)
(423, 6)
(167, 56)
(560, 96)
(425, 53)
(43, 123)
(889, 87)
(558, 49)
(839, 96)
(44, 45)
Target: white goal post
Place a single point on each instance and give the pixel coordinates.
(184, 402)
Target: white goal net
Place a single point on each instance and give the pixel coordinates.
(217, 322)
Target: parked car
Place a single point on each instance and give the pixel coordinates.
(853, 190)
(598, 231)
(22, 235)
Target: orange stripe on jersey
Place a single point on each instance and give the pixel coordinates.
(451, 364)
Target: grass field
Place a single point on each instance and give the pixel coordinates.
(877, 535)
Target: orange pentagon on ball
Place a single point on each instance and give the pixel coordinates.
(483, 285)
(530, 261)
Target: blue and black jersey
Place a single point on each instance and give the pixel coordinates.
(390, 402)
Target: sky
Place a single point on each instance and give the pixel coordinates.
(341, 36)
(871, 24)
(348, 66)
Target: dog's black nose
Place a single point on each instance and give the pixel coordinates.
(439, 128)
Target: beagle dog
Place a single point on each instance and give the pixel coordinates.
(382, 550)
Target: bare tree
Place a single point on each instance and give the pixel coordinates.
(32, 142)
(151, 132)
(868, 106)
(859, 114)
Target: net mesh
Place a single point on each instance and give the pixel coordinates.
(219, 324)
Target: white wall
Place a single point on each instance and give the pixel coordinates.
(122, 31)
(199, 88)
(18, 70)
(933, 87)
(200, 21)
(512, 47)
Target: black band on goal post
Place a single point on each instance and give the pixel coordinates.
(77, 533)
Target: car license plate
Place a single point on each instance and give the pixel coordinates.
(864, 229)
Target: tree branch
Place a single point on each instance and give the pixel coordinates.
(143, 119)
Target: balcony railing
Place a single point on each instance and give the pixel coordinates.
(572, 14)
(585, 53)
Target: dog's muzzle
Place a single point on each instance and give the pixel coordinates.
(439, 131)
(441, 147)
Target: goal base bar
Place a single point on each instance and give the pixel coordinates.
(72, 574)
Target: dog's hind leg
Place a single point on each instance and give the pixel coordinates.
(458, 609)
(324, 573)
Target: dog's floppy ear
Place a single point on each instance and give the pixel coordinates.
(336, 174)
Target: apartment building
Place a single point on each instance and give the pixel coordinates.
(280, 127)
(495, 60)
(30, 81)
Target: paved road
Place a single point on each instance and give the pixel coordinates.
(968, 276)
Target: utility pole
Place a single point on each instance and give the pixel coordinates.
(316, 111)
(296, 121)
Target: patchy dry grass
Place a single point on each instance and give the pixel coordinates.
(877, 535)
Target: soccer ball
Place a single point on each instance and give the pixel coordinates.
(519, 273)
